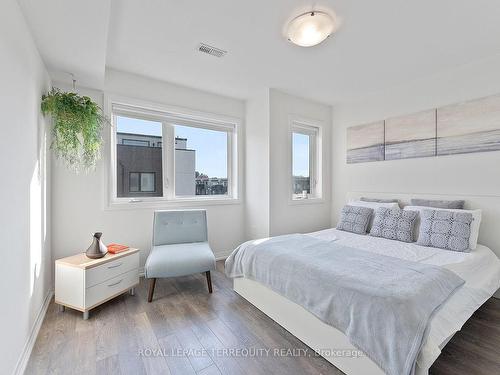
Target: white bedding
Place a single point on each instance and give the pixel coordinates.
(480, 269)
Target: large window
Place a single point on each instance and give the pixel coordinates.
(170, 157)
(305, 162)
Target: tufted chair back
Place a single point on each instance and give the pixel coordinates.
(179, 226)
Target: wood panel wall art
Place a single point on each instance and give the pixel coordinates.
(468, 127)
(411, 136)
(365, 143)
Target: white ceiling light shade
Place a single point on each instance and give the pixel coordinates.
(310, 28)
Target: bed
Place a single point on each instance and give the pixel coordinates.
(480, 269)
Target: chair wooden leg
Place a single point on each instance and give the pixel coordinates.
(152, 284)
(209, 281)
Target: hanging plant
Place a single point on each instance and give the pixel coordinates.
(77, 125)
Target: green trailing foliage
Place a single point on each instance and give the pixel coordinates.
(77, 125)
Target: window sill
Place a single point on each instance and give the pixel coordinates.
(306, 201)
(125, 204)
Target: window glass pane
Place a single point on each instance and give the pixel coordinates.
(301, 163)
(138, 156)
(200, 161)
(133, 183)
(135, 142)
(147, 182)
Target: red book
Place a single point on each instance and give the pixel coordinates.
(115, 248)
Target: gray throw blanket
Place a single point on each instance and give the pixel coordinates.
(382, 304)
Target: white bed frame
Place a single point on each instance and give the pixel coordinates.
(319, 336)
(326, 339)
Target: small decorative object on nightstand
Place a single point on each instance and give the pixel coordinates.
(83, 283)
(97, 249)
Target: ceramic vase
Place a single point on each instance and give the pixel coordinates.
(96, 249)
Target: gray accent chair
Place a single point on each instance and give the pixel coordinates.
(180, 247)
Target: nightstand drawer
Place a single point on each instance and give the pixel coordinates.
(109, 270)
(110, 288)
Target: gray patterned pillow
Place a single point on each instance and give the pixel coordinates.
(355, 219)
(378, 200)
(458, 204)
(448, 230)
(394, 224)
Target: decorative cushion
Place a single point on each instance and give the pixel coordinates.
(355, 219)
(394, 224)
(474, 227)
(458, 204)
(179, 260)
(378, 200)
(445, 229)
(373, 206)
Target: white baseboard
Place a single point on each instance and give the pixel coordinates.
(222, 254)
(30, 343)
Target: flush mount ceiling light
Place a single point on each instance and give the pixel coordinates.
(310, 28)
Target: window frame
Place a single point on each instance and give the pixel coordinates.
(169, 116)
(313, 129)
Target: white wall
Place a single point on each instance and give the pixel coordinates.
(472, 174)
(300, 216)
(25, 268)
(269, 211)
(78, 204)
(257, 166)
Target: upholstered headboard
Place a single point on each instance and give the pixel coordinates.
(489, 233)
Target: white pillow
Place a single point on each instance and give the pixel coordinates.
(373, 206)
(474, 227)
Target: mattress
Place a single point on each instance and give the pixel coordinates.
(480, 269)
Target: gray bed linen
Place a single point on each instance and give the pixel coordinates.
(382, 304)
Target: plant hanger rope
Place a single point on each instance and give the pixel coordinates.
(73, 79)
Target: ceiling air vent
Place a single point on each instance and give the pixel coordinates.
(217, 52)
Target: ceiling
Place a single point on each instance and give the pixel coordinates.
(71, 37)
(378, 45)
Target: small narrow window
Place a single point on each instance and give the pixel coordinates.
(142, 182)
(301, 165)
(305, 162)
(135, 142)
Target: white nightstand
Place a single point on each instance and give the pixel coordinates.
(83, 283)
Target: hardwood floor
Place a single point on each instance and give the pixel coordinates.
(186, 330)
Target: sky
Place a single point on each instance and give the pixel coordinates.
(211, 149)
(210, 145)
(300, 155)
